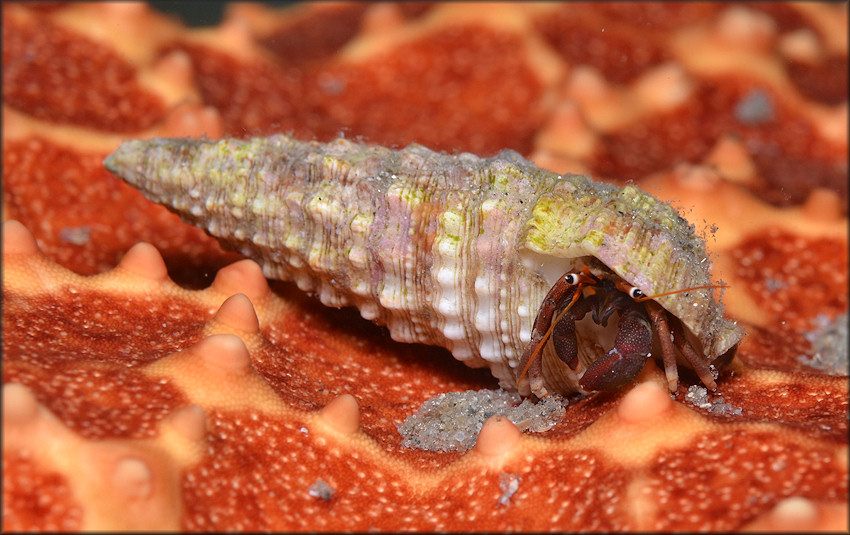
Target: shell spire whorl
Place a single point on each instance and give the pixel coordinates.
(417, 240)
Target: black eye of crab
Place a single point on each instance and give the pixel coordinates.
(635, 292)
(571, 279)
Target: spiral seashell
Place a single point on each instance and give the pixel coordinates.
(451, 250)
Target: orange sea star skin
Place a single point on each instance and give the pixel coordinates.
(218, 403)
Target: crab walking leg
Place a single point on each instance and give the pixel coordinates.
(665, 336)
(564, 334)
(532, 361)
(693, 357)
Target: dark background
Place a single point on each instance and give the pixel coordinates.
(202, 13)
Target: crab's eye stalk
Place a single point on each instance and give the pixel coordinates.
(571, 278)
(632, 291)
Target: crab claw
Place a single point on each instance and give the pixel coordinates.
(613, 371)
(623, 363)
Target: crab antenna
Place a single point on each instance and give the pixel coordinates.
(648, 297)
(546, 336)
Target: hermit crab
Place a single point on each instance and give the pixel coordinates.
(633, 342)
(505, 264)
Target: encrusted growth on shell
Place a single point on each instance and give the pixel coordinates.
(451, 250)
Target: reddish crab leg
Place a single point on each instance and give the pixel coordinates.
(543, 327)
(564, 332)
(634, 338)
(695, 359)
(665, 337)
(570, 285)
(665, 333)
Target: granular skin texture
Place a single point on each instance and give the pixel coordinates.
(339, 24)
(822, 81)
(50, 73)
(192, 407)
(619, 55)
(245, 103)
(79, 188)
(791, 160)
(747, 493)
(371, 101)
(32, 496)
(799, 278)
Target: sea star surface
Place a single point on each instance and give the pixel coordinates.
(153, 380)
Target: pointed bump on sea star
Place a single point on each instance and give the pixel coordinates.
(189, 422)
(19, 404)
(17, 239)
(498, 437)
(144, 473)
(217, 372)
(647, 420)
(795, 513)
(173, 70)
(235, 34)
(144, 261)
(645, 402)
(192, 120)
(342, 414)
(25, 419)
(801, 515)
(245, 276)
(226, 354)
(133, 478)
(237, 312)
(823, 204)
(182, 434)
